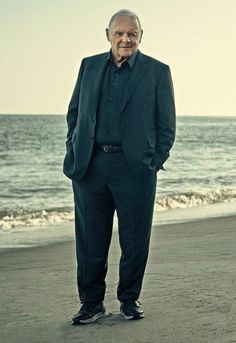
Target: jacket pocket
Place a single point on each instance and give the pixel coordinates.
(152, 142)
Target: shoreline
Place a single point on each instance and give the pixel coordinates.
(188, 291)
(51, 233)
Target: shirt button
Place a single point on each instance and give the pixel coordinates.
(110, 98)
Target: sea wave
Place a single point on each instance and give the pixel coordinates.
(195, 198)
(18, 219)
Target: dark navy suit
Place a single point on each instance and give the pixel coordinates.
(123, 181)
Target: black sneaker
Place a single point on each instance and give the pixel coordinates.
(88, 313)
(130, 309)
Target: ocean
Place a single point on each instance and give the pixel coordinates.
(36, 202)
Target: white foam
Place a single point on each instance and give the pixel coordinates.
(178, 215)
(25, 221)
(21, 221)
(194, 199)
(45, 234)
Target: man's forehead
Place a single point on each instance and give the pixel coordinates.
(129, 22)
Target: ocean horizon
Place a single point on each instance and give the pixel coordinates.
(36, 196)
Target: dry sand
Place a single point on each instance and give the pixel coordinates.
(189, 290)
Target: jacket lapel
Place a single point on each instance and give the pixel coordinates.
(138, 72)
(96, 79)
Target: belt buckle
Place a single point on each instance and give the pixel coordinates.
(106, 148)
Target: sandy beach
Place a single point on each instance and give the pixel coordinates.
(189, 290)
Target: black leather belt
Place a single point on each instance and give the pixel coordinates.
(109, 147)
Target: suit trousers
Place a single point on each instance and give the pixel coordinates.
(109, 185)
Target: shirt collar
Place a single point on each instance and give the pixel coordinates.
(130, 60)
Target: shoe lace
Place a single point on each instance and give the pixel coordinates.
(89, 307)
(132, 303)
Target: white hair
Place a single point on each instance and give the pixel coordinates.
(122, 13)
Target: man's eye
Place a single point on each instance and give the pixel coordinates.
(133, 34)
(119, 34)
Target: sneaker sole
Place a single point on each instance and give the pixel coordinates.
(140, 316)
(91, 320)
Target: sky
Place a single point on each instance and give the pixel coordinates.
(43, 42)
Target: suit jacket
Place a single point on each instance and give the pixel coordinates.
(147, 116)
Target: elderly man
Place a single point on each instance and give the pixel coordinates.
(121, 127)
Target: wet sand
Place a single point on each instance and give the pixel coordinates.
(189, 290)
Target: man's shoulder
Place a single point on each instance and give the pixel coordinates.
(153, 61)
(96, 57)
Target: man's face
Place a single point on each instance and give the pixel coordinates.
(124, 36)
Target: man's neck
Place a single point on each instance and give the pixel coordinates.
(120, 60)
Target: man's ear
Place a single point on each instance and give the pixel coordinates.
(141, 35)
(107, 34)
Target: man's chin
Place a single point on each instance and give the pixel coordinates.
(123, 54)
(126, 53)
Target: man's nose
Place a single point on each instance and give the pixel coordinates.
(125, 38)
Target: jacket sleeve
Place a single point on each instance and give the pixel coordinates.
(166, 118)
(72, 112)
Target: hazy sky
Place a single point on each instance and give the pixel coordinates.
(42, 43)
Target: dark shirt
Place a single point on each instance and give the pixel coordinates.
(112, 92)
